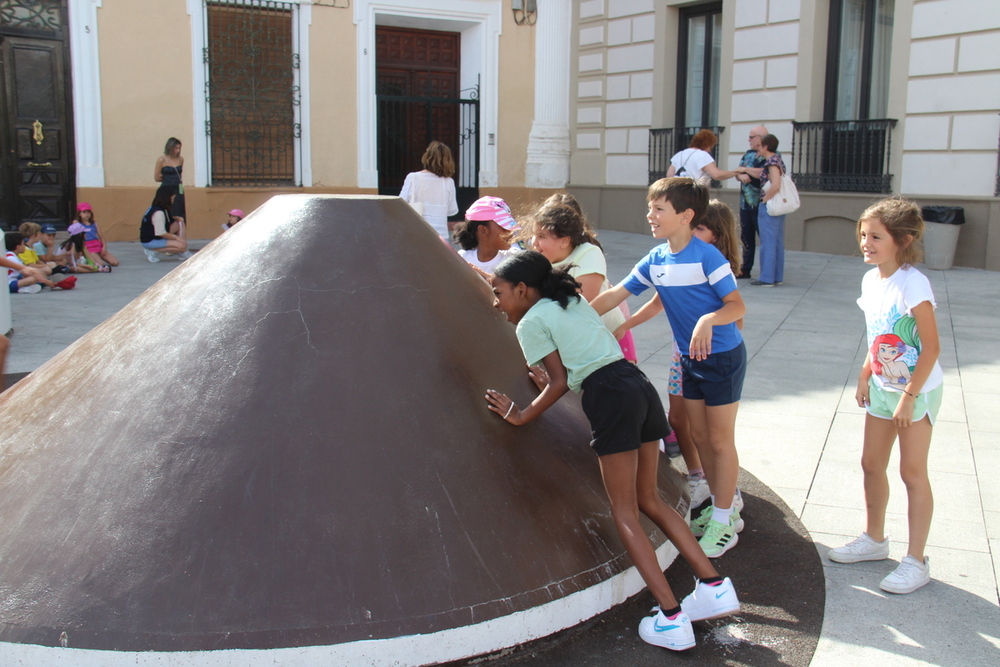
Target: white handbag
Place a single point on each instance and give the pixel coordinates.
(787, 199)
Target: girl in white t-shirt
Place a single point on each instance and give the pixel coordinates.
(484, 236)
(902, 334)
(561, 234)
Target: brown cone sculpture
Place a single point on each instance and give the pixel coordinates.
(284, 443)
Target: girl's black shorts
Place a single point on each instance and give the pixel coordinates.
(623, 407)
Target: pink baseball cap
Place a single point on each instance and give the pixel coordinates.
(237, 212)
(76, 228)
(83, 206)
(492, 208)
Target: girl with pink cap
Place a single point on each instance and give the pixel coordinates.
(234, 216)
(485, 234)
(92, 238)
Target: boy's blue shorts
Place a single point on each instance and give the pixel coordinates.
(717, 380)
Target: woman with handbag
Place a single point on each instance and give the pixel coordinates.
(770, 227)
(431, 192)
(169, 171)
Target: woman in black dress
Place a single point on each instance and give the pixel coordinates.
(169, 170)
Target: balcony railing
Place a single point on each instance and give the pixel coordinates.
(665, 142)
(843, 155)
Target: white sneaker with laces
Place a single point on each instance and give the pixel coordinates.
(908, 577)
(698, 488)
(676, 634)
(151, 255)
(861, 549)
(184, 255)
(708, 601)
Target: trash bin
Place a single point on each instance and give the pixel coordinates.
(941, 235)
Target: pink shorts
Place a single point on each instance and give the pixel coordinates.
(95, 246)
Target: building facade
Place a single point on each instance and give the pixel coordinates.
(867, 97)
(271, 96)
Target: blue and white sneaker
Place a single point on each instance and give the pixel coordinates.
(708, 601)
(676, 634)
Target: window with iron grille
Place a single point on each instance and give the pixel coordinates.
(252, 61)
(849, 151)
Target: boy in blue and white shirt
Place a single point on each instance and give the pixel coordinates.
(698, 291)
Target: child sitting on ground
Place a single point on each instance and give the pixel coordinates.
(26, 279)
(32, 232)
(234, 216)
(82, 258)
(93, 240)
(696, 287)
(46, 248)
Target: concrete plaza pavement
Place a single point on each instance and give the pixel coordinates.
(799, 431)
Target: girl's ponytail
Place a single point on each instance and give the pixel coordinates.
(532, 269)
(560, 286)
(465, 234)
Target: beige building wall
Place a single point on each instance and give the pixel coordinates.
(333, 90)
(944, 89)
(146, 88)
(147, 94)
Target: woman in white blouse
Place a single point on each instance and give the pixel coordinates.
(431, 192)
(696, 162)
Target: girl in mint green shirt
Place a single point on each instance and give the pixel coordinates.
(560, 331)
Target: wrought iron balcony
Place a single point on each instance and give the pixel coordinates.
(665, 142)
(842, 155)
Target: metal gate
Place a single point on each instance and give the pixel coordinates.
(406, 124)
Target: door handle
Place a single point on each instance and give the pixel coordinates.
(39, 137)
(39, 164)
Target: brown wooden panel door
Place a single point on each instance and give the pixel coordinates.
(421, 65)
(36, 163)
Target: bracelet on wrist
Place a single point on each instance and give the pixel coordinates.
(909, 394)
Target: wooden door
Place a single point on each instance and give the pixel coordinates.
(36, 163)
(419, 71)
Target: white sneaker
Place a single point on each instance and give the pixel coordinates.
(738, 501)
(861, 549)
(151, 255)
(658, 630)
(30, 289)
(698, 488)
(184, 255)
(708, 601)
(908, 577)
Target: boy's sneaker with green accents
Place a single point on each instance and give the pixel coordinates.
(698, 525)
(719, 537)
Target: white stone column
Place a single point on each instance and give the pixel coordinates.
(548, 143)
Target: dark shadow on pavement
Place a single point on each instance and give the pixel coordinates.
(778, 575)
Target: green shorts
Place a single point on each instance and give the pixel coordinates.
(882, 403)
